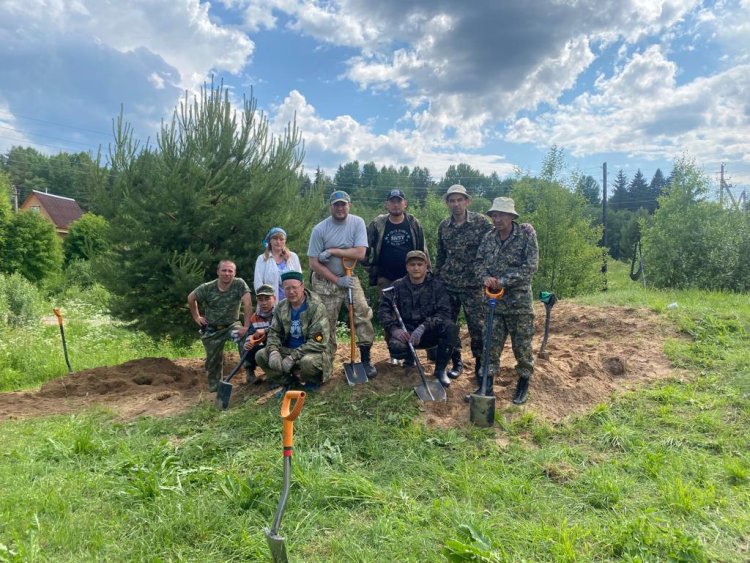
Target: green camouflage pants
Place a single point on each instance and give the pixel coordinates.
(471, 301)
(334, 297)
(520, 327)
(213, 342)
(310, 366)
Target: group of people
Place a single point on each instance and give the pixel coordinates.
(291, 334)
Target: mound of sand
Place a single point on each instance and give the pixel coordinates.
(593, 352)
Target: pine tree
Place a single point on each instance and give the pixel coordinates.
(620, 198)
(656, 187)
(638, 192)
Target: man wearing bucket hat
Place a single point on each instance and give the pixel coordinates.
(509, 257)
(458, 240)
(341, 236)
(297, 352)
(257, 334)
(426, 311)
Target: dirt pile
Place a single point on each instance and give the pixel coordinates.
(593, 353)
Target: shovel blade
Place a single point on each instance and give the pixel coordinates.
(482, 410)
(277, 547)
(223, 393)
(431, 391)
(355, 373)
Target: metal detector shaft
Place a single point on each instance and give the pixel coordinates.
(57, 313)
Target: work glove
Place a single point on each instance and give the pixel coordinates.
(400, 334)
(324, 256)
(416, 335)
(274, 361)
(287, 364)
(345, 282)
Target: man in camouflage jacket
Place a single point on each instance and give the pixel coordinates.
(426, 311)
(297, 351)
(458, 240)
(508, 258)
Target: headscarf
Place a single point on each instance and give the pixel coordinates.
(271, 232)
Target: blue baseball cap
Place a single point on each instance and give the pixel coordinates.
(339, 196)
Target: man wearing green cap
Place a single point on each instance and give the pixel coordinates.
(509, 257)
(297, 352)
(341, 236)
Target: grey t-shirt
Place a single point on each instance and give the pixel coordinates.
(349, 233)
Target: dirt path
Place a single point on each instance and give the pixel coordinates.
(593, 353)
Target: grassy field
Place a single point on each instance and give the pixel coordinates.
(658, 474)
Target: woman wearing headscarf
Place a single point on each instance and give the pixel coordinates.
(275, 260)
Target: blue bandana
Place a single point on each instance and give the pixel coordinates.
(273, 231)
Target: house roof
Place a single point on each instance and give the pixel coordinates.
(62, 210)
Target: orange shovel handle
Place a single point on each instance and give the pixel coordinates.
(491, 295)
(289, 413)
(57, 313)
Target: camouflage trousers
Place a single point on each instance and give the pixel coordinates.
(520, 327)
(309, 368)
(471, 299)
(334, 297)
(213, 342)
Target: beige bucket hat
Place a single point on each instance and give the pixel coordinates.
(504, 205)
(456, 189)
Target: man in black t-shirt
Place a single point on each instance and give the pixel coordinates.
(391, 237)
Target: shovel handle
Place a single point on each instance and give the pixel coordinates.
(289, 413)
(491, 295)
(58, 314)
(348, 264)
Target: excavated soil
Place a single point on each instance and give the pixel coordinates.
(593, 352)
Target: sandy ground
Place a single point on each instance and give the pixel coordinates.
(593, 352)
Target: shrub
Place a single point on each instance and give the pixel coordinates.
(21, 303)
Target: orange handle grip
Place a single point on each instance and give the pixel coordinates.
(289, 413)
(349, 264)
(57, 313)
(491, 295)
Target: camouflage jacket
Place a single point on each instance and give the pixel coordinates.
(427, 303)
(315, 329)
(513, 262)
(457, 251)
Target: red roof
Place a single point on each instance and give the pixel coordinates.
(62, 210)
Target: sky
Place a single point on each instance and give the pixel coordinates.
(430, 83)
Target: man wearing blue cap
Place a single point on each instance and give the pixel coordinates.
(391, 236)
(339, 236)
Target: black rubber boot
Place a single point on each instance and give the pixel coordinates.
(458, 365)
(364, 354)
(249, 375)
(440, 374)
(522, 391)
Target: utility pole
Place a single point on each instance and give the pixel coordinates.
(721, 187)
(15, 198)
(604, 227)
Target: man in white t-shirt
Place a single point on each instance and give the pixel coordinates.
(341, 236)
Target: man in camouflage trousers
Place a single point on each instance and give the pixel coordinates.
(509, 257)
(297, 352)
(458, 240)
(220, 300)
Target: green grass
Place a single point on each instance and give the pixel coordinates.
(660, 474)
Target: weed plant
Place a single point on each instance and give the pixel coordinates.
(658, 474)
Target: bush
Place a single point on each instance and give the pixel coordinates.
(21, 303)
(86, 238)
(32, 247)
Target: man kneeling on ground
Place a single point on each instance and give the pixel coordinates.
(425, 309)
(257, 334)
(296, 353)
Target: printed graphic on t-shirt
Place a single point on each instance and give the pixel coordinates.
(397, 243)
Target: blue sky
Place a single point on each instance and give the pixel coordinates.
(634, 83)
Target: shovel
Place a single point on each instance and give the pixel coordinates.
(288, 414)
(482, 405)
(57, 313)
(549, 299)
(224, 390)
(429, 390)
(355, 372)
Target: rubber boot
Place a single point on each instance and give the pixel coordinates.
(478, 378)
(364, 354)
(442, 356)
(458, 365)
(249, 375)
(522, 391)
